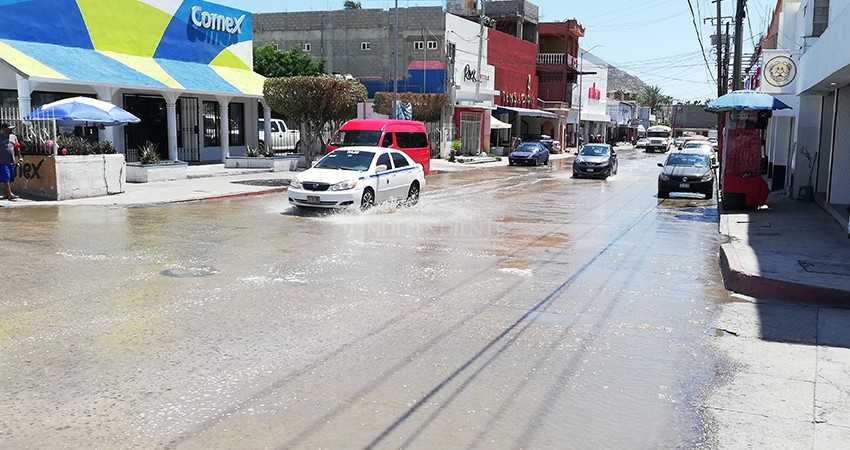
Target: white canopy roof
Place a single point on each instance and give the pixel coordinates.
(496, 124)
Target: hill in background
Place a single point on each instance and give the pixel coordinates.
(618, 79)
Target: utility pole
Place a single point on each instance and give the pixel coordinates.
(726, 60)
(393, 114)
(480, 50)
(739, 34)
(721, 86)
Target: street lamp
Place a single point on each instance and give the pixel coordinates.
(581, 54)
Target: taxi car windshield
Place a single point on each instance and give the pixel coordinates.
(346, 160)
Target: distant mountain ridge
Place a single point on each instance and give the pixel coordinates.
(620, 80)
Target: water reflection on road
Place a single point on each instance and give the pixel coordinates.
(513, 307)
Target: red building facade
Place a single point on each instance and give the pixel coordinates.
(515, 63)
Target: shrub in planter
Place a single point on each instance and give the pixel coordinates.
(148, 153)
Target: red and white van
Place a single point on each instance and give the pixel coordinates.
(406, 135)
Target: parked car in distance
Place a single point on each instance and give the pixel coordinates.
(529, 153)
(552, 145)
(713, 142)
(692, 138)
(409, 136)
(686, 171)
(703, 147)
(641, 143)
(358, 177)
(282, 137)
(677, 142)
(595, 160)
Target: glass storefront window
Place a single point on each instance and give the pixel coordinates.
(212, 121)
(236, 115)
(212, 124)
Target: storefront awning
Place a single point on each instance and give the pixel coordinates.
(525, 112)
(496, 124)
(73, 65)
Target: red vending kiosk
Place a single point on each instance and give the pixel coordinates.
(745, 117)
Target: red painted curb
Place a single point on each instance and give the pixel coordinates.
(758, 286)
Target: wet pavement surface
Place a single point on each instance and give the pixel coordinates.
(514, 307)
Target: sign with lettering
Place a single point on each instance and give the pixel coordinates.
(216, 22)
(469, 74)
(36, 176)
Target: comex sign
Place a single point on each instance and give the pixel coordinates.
(216, 22)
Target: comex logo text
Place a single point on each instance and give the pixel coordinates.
(216, 22)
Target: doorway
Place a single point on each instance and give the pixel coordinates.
(153, 125)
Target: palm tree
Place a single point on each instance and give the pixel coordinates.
(349, 4)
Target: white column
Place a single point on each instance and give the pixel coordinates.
(171, 120)
(224, 130)
(24, 95)
(105, 94)
(267, 124)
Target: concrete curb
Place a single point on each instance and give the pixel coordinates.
(757, 285)
(214, 197)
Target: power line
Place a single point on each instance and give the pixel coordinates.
(699, 39)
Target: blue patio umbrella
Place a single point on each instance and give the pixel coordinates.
(82, 111)
(746, 100)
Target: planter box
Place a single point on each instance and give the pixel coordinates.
(147, 173)
(282, 163)
(67, 177)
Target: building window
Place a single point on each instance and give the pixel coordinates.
(418, 45)
(236, 116)
(432, 45)
(212, 130)
(365, 46)
(212, 124)
(306, 47)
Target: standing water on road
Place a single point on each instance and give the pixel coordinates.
(511, 308)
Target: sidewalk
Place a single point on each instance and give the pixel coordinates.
(790, 250)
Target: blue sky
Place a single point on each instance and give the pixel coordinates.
(655, 40)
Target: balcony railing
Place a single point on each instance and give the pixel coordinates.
(552, 105)
(550, 58)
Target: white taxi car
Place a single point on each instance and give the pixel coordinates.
(358, 177)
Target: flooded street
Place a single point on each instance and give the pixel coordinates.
(514, 307)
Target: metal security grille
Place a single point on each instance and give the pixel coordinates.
(470, 133)
(188, 137)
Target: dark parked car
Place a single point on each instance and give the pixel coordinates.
(686, 171)
(529, 153)
(552, 145)
(595, 160)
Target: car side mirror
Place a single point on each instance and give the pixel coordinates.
(715, 166)
(381, 168)
(660, 165)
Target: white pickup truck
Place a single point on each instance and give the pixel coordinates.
(282, 139)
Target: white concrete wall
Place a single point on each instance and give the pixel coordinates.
(89, 176)
(828, 55)
(464, 35)
(590, 63)
(808, 136)
(839, 185)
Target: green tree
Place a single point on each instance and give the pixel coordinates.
(349, 4)
(312, 103)
(271, 62)
(426, 107)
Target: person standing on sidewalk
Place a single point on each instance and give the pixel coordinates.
(7, 159)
